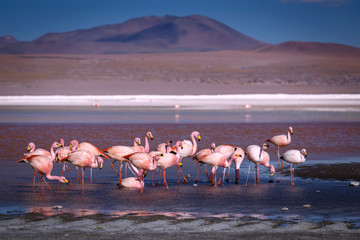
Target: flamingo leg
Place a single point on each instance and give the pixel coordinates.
(33, 186)
(152, 178)
(258, 172)
(228, 178)
(69, 173)
(82, 180)
(237, 176)
(79, 175)
(292, 175)
(181, 174)
(112, 165)
(165, 182)
(255, 177)
(46, 183)
(41, 181)
(215, 183)
(247, 175)
(90, 174)
(206, 171)
(197, 174)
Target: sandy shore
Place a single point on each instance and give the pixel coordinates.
(160, 227)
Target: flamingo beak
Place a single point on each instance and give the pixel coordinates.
(180, 164)
(271, 174)
(28, 149)
(101, 166)
(145, 173)
(151, 137)
(66, 181)
(199, 138)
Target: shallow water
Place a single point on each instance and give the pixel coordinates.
(325, 141)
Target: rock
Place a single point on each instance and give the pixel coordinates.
(307, 206)
(187, 176)
(195, 185)
(57, 207)
(271, 181)
(354, 184)
(284, 209)
(318, 191)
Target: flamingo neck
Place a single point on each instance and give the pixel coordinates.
(50, 177)
(52, 158)
(194, 148)
(289, 137)
(147, 148)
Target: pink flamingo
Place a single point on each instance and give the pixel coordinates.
(91, 148)
(199, 154)
(238, 161)
(131, 182)
(167, 160)
(141, 162)
(44, 165)
(266, 162)
(83, 159)
(294, 157)
(255, 154)
(216, 160)
(281, 141)
(189, 149)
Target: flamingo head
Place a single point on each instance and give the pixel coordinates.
(100, 161)
(212, 146)
(265, 146)
(30, 147)
(303, 152)
(149, 134)
(63, 180)
(56, 145)
(73, 144)
(291, 131)
(61, 141)
(196, 134)
(272, 170)
(137, 141)
(169, 142)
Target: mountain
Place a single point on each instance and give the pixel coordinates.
(139, 35)
(312, 48)
(7, 39)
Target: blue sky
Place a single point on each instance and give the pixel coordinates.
(272, 21)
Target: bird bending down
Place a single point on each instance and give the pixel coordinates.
(294, 157)
(281, 141)
(201, 153)
(44, 165)
(141, 162)
(255, 154)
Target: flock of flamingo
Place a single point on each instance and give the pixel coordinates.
(140, 160)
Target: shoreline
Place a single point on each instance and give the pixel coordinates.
(218, 101)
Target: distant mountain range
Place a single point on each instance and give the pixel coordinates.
(153, 34)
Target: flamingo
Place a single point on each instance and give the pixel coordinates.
(266, 162)
(216, 160)
(255, 154)
(189, 149)
(91, 148)
(167, 160)
(44, 165)
(131, 182)
(281, 141)
(83, 159)
(238, 161)
(294, 157)
(141, 162)
(61, 156)
(199, 154)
